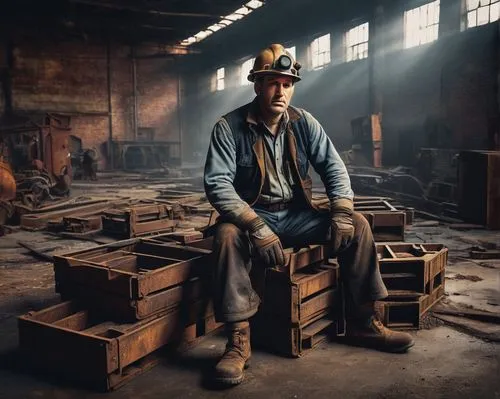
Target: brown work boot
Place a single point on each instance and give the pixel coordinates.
(375, 335)
(229, 370)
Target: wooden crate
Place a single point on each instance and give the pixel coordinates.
(69, 340)
(299, 310)
(294, 341)
(404, 310)
(298, 298)
(133, 279)
(412, 267)
(132, 268)
(124, 309)
(138, 220)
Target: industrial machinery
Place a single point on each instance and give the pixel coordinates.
(35, 166)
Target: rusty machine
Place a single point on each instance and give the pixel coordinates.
(35, 166)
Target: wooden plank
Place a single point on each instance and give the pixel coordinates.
(311, 284)
(316, 304)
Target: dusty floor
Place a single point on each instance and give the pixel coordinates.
(445, 362)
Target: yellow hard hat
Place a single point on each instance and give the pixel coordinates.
(275, 60)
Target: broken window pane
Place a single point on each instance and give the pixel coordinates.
(484, 2)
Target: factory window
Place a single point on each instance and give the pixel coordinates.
(320, 52)
(480, 12)
(291, 50)
(421, 24)
(219, 79)
(245, 70)
(356, 43)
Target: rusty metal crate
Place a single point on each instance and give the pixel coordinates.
(125, 309)
(298, 298)
(412, 267)
(368, 203)
(83, 224)
(181, 237)
(403, 310)
(69, 340)
(138, 220)
(386, 221)
(192, 239)
(303, 257)
(293, 341)
(132, 268)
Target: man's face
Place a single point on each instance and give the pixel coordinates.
(274, 93)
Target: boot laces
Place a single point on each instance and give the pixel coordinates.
(235, 345)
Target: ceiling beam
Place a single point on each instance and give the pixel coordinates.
(143, 10)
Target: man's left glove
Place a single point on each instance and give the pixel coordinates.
(342, 228)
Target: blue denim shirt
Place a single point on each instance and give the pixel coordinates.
(220, 166)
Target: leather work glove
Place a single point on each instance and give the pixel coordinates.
(342, 228)
(266, 245)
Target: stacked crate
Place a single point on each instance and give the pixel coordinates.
(414, 275)
(387, 220)
(301, 304)
(122, 302)
(138, 220)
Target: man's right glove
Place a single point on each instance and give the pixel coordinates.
(266, 245)
(342, 228)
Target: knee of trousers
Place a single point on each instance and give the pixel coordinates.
(227, 234)
(361, 225)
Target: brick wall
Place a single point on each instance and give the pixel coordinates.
(72, 78)
(157, 98)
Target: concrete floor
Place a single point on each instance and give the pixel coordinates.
(444, 363)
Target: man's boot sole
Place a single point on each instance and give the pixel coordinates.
(233, 380)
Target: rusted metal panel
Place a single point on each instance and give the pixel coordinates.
(123, 308)
(39, 221)
(94, 351)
